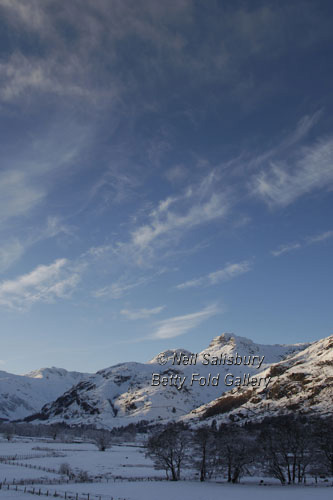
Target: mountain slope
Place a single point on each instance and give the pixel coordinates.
(301, 383)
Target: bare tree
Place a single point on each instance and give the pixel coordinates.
(323, 435)
(102, 439)
(289, 449)
(236, 451)
(168, 449)
(271, 457)
(204, 456)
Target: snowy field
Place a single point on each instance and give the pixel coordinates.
(123, 472)
(187, 490)
(10, 473)
(124, 461)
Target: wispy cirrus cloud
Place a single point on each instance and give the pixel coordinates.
(18, 194)
(125, 284)
(284, 181)
(302, 129)
(290, 247)
(309, 240)
(113, 187)
(178, 325)
(13, 249)
(72, 73)
(45, 283)
(198, 204)
(10, 252)
(101, 27)
(292, 140)
(177, 173)
(319, 237)
(54, 227)
(229, 272)
(32, 169)
(156, 231)
(141, 313)
(118, 289)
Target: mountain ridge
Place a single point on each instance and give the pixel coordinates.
(157, 392)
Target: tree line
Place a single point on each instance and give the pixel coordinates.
(287, 448)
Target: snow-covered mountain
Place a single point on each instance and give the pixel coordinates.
(302, 383)
(21, 395)
(233, 378)
(169, 386)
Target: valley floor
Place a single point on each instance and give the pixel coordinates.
(122, 473)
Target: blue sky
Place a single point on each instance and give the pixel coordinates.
(166, 175)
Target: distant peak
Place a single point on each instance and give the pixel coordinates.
(223, 339)
(46, 372)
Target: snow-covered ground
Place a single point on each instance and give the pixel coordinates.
(125, 461)
(186, 490)
(124, 471)
(10, 472)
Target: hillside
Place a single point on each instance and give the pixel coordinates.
(302, 383)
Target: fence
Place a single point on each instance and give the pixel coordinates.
(28, 457)
(27, 485)
(67, 495)
(113, 479)
(30, 466)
